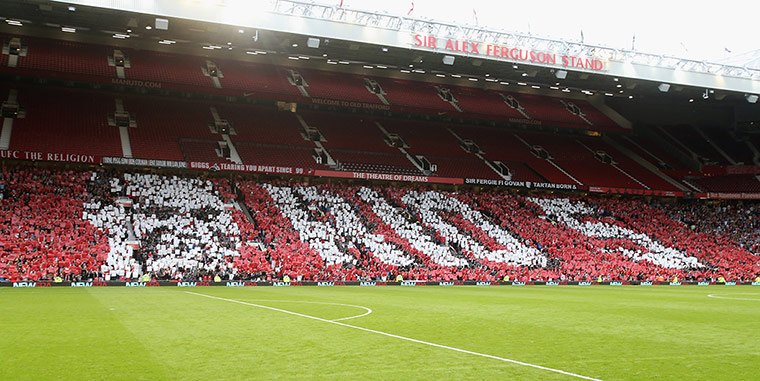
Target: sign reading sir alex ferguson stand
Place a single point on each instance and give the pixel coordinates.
(508, 53)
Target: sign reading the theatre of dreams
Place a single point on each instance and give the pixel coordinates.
(387, 177)
(507, 52)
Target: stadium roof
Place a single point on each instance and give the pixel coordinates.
(379, 28)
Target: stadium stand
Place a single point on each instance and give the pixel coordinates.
(723, 140)
(160, 125)
(570, 154)
(652, 153)
(260, 124)
(329, 85)
(163, 67)
(375, 162)
(689, 137)
(413, 94)
(42, 233)
(201, 150)
(425, 138)
(189, 228)
(180, 225)
(286, 156)
(738, 223)
(730, 183)
(462, 167)
(56, 121)
(505, 145)
(108, 224)
(348, 131)
(256, 77)
(179, 130)
(643, 176)
(66, 56)
(484, 102)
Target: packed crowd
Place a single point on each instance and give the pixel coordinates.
(720, 256)
(42, 234)
(174, 228)
(740, 223)
(105, 225)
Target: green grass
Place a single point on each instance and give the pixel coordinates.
(166, 333)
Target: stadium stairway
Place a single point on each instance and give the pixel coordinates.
(10, 111)
(211, 70)
(550, 161)
(692, 186)
(493, 165)
(613, 164)
(330, 161)
(124, 121)
(119, 62)
(659, 139)
(638, 159)
(415, 160)
(14, 49)
(299, 82)
(223, 128)
(755, 152)
(643, 152)
(712, 143)
(693, 155)
(374, 88)
(244, 209)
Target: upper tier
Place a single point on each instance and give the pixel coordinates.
(100, 62)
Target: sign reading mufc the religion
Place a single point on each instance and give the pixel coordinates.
(510, 53)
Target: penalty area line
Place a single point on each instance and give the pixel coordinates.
(401, 337)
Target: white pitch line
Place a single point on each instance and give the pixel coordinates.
(402, 337)
(369, 310)
(728, 298)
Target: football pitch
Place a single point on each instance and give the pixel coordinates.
(384, 333)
